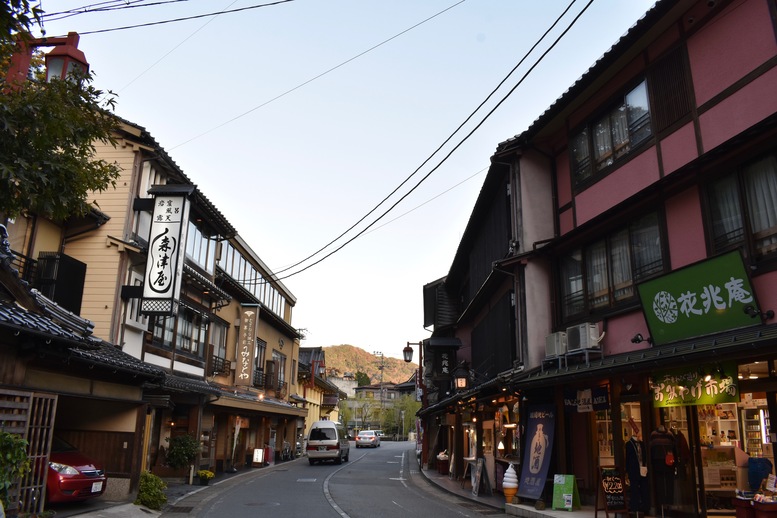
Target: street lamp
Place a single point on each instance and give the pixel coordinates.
(407, 352)
(461, 376)
(61, 61)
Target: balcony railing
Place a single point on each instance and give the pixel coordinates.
(273, 388)
(219, 366)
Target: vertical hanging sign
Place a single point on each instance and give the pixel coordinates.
(539, 443)
(166, 249)
(244, 374)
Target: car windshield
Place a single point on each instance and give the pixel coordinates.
(59, 446)
(323, 434)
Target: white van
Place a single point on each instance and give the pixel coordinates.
(327, 440)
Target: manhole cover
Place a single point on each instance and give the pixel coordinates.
(480, 509)
(182, 509)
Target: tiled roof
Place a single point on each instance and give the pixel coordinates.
(108, 355)
(18, 319)
(182, 384)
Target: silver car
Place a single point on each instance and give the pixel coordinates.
(368, 439)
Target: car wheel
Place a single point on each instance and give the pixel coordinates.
(311, 461)
(346, 457)
(339, 460)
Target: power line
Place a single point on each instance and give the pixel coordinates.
(111, 5)
(185, 18)
(450, 137)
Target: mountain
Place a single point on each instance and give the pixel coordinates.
(350, 359)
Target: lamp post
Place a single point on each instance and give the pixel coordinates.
(407, 354)
(382, 364)
(61, 61)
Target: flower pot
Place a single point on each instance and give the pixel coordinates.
(204, 481)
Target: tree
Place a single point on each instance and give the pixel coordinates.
(346, 413)
(14, 464)
(362, 379)
(48, 133)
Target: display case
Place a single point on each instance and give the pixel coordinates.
(604, 434)
(753, 431)
(720, 468)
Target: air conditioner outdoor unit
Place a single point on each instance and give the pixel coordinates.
(582, 336)
(556, 344)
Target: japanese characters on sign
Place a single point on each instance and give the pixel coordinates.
(697, 300)
(166, 251)
(684, 388)
(247, 342)
(537, 451)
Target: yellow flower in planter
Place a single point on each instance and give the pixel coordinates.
(204, 474)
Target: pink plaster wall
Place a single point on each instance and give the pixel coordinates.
(626, 181)
(620, 331)
(751, 104)
(766, 291)
(566, 222)
(721, 52)
(679, 148)
(685, 229)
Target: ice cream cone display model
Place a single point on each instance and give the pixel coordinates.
(510, 483)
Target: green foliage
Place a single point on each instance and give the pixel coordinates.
(362, 380)
(48, 133)
(182, 451)
(14, 463)
(151, 492)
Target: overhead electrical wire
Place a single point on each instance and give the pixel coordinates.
(193, 17)
(112, 5)
(450, 137)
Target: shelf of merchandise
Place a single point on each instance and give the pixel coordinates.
(604, 434)
(718, 423)
(751, 427)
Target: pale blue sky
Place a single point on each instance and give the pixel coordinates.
(307, 155)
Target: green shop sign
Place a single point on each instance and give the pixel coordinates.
(700, 299)
(685, 388)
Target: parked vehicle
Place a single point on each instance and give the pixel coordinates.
(368, 439)
(72, 476)
(327, 440)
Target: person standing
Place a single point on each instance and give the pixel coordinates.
(636, 469)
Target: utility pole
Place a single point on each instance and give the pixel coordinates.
(382, 364)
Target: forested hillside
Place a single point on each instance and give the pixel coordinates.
(352, 359)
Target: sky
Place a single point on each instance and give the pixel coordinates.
(296, 118)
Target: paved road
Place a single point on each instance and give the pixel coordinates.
(375, 483)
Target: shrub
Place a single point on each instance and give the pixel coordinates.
(182, 451)
(14, 463)
(205, 474)
(151, 492)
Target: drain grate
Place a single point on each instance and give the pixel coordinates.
(480, 509)
(180, 509)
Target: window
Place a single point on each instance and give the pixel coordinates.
(163, 331)
(612, 135)
(280, 361)
(191, 331)
(261, 347)
(200, 249)
(605, 273)
(134, 318)
(218, 338)
(743, 208)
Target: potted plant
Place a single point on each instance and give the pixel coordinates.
(205, 476)
(182, 451)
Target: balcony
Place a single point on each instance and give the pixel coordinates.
(219, 366)
(273, 388)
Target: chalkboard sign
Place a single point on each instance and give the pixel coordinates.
(612, 488)
(479, 476)
(565, 495)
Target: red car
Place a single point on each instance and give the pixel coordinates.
(72, 476)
